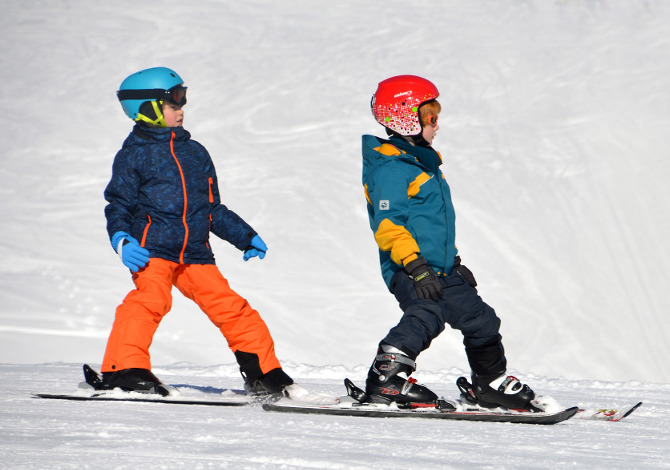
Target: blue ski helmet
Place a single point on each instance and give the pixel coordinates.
(154, 84)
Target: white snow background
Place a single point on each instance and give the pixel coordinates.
(555, 133)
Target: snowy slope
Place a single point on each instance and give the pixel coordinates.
(556, 145)
(36, 434)
(554, 133)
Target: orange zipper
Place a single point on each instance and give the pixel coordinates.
(183, 183)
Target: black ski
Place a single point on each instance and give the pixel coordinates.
(385, 411)
(93, 389)
(352, 406)
(145, 398)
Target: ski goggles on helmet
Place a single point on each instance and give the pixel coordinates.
(175, 95)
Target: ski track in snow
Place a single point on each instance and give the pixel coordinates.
(555, 141)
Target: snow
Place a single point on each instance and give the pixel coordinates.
(37, 433)
(555, 139)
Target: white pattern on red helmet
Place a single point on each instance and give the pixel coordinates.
(395, 104)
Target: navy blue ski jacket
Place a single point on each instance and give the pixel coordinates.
(164, 193)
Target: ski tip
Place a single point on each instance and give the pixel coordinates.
(633, 408)
(605, 414)
(572, 411)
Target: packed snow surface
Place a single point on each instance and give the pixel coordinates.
(37, 433)
(556, 144)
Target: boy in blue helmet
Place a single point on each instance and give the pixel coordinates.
(413, 220)
(163, 202)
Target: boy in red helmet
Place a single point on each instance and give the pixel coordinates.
(413, 220)
(163, 203)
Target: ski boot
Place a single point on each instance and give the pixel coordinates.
(134, 380)
(504, 390)
(269, 386)
(389, 380)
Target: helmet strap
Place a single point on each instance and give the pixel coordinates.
(159, 120)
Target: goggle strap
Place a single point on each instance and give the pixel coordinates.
(154, 94)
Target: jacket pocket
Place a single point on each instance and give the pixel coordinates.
(211, 193)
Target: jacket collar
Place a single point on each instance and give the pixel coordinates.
(146, 134)
(427, 156)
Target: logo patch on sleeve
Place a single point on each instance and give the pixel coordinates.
(384, 205)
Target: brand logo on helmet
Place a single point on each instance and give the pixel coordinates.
(404, 93)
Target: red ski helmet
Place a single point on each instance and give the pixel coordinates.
(395, 104)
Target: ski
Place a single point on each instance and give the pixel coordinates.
(377, 410)
(354, 405)
(143, 398)
(612, 415)
(93, 389)
(357, 403)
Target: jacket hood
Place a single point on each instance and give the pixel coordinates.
(373, 157)
(374, 154)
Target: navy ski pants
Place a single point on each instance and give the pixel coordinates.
(461, 308)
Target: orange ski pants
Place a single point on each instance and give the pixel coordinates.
(138, 317)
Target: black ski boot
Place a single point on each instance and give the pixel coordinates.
(504, 390)
(134, 380)
(389, 379)
(270, 385)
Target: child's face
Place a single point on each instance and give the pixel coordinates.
(173, 114)
(430, 130)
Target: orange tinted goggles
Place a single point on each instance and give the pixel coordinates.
(432, 120)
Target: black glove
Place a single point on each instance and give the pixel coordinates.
(426, 282)
(464, 272)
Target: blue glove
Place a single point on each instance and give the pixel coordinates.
(257, 248)
(131, 253)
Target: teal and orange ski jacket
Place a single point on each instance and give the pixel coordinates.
(409, 205)
(164, 192)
